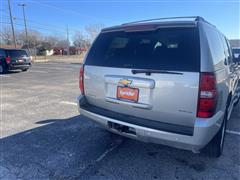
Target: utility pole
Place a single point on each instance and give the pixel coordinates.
(10, 14)
(67, 41)
(25, 23)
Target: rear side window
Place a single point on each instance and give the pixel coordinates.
(17, 53)
(2, 53)
(216, 45)
(236, 51)
(174, 49)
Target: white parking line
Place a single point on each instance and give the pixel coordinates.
(52, 68)
(69, 103)
(44, 72)
(233, 132)
(107, 152)
(102, 156)
(75, 104)
(4, 75)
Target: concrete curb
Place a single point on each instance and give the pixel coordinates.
(57, 61)
(42, 60)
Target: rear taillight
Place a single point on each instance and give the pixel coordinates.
(8, 60)
(81, 80)
(207, 95)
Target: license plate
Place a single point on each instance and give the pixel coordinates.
(20, 60)
(126, 93)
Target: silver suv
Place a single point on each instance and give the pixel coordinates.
(169, 81)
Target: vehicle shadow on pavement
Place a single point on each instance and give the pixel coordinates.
(56, 149)
(11, 72)
(76, 148)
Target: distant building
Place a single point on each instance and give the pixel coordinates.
(9, 46)
(76, 50)
(72, 50)
(235, 42)
(59, 51)
(49, 52)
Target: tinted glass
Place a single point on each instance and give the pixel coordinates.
(225, 46)
(17, 53)
(216, 45)
(237, 51)
(229, 46)
(2, 53)
(165, 49)
(227, 50)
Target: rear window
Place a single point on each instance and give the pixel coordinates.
(17, 53)
(175, 49)
(237, 51)
(2, 53)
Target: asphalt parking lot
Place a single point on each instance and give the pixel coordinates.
(44, 137)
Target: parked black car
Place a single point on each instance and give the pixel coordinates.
(12, 59)
(236, 54)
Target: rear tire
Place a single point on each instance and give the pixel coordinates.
(24, 70)
(236, 103)
(3, 69)
(215, 147)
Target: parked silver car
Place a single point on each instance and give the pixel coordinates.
(169, 81)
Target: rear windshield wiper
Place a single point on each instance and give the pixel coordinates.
(149, 71)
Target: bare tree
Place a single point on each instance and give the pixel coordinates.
(80, 40)
(6, 35)
(93, 30)
(34, 38)
(52, 40)
(62, 43)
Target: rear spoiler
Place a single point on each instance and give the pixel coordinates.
(150, 26)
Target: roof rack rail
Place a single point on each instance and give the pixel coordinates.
(195, 18)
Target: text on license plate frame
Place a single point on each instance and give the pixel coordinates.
(127, 93)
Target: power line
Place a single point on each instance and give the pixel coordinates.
(2, 22)
(35, 22)
(47, 25)
(63, 9)
(4, 17)
(39, 27)
(134, 1)
(5, 10)
(39, 24)
(60, 9)
(34, 27)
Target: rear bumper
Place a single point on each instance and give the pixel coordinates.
(203, 130)
(19, 66)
